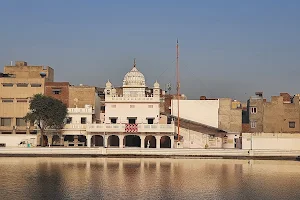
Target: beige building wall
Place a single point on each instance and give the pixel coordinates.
(278, 115)
(17, 85)
(79, 96)
(230, 116)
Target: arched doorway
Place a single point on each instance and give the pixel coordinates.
(97, 141)
(68, 140)
(150, 141)
(56, 140)
(113, 141)
(165, 142)
(81, 140)
(132, 141)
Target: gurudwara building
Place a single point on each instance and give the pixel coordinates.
(131, 118)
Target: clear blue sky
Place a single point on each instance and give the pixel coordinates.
(228, 48)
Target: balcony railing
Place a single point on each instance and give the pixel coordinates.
(75, 126)
(168, 128)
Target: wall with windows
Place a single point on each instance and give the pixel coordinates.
(280, 115)
(145, 112)
(58, 90)
(17, 86)
(80, 115)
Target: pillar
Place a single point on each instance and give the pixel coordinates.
(172, 141)
(105, 139)
(142, 141)
(158, 137)
(88, 140)
(50, 137)
(62, 140)
(121, 141)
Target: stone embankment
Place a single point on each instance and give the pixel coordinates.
(137, 152)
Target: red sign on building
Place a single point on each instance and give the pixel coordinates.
(131, 128)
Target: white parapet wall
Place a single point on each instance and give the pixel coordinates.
(15, 140)
(271, 141)
(204, 112)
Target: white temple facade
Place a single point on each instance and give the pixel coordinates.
(131, 119)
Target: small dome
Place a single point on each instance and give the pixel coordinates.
(134, 78)
(108, 84)
(156, 84)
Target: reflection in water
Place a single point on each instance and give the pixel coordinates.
(145, 178)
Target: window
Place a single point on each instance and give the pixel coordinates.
(7, 84)
(113, 120)
(6, 132)
(36, 85)
(253, 124)
(5, 121)
(83, 120)
(150, 121)
(56, 91)
(113, 106)
(253, 110)
(21, 122)
(150, 106)
(7, 100)
(22, 84)
(292, 124)
(22, 100)
(132, 106)
(69, 120)
(20, 132)
(131, 121)
(33, 132)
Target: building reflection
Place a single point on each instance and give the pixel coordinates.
(145, 178)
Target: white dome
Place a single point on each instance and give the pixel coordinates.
(108, 84)
(134, 78)
(156, 84)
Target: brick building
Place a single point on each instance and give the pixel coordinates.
(58, 90)
(280, 115)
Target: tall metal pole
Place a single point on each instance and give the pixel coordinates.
(178, 90)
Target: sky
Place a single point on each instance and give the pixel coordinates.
(229, 48)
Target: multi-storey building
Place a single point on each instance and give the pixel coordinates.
(132, 118)
(280, 115)
(18, 83)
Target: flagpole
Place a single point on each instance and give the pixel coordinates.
(178, 90)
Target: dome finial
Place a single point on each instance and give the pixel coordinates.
(134, 63)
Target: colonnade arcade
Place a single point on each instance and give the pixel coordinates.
(130, 140)
(111, 140)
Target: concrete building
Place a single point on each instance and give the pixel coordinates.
(18, 84)
(214, 123)
(280, 115)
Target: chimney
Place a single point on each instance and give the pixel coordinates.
(202, 97)
(260, 94)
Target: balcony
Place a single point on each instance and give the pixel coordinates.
(75, 127)
(81, 111)
(131, 99)
(141, 128)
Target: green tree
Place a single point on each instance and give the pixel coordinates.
(47, 113)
